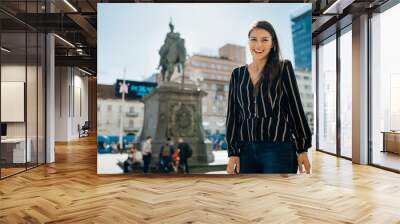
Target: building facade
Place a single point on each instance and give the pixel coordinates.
(212, 74)
(233, 52)
(304, 82)
(111, 111)
(301, 34)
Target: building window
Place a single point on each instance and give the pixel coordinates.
(226, 68)
(131, 123)
(220, 87)
(194, 63)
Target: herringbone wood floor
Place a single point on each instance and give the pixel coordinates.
(70, 191)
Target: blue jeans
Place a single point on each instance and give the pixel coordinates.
(265, 157)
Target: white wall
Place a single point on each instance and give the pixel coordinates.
(61, 103)
(71, 102)
(33, 126)
(12, 73)
(81, 104)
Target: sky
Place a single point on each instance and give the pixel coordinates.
(130, 34)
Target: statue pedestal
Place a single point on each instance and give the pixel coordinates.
(174, 110)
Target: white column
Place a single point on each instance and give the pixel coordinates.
(50, 92)
(360, 90)
(50, 99)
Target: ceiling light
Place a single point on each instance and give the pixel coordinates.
(330, 8)
(70, 5)
(5, 50)
(337, 7)
(79, 51)
(64, 40)
(84, 71)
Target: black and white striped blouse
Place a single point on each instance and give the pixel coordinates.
(274, 117)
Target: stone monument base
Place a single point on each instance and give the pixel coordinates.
(174, 110)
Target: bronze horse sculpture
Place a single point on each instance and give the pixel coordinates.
(173, 52)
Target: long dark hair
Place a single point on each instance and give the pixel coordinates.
(271, 69)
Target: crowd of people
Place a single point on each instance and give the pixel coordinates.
(218, 144)
(172, 158)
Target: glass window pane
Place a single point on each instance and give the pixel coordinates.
(14, 153)
(31, 97)
(41, 98)
(385, 84)
(23, 81)
(327, 96)
(346, 94)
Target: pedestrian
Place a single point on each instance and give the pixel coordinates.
(166, 152)
(176, 158)
(147, 154)
(185, 154)
(134, 160)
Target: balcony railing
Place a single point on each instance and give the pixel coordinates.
(132, 114)
(131, 129)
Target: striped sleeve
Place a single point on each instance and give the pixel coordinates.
(232, 118)
(302, 132)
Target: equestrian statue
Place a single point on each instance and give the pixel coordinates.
(172, 53)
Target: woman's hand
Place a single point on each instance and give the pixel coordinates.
(302, 160)
(234, 161)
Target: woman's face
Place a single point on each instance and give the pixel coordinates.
(260, 43)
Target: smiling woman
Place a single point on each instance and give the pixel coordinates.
(265, 111)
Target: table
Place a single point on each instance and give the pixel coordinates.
(13, 150)
(391, 141)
